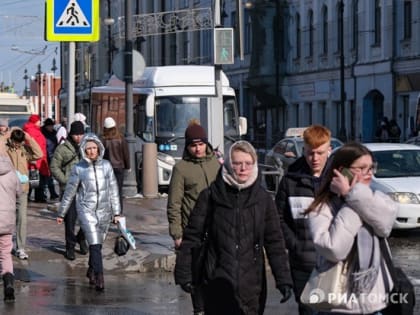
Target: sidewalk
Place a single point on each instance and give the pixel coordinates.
(146, 219)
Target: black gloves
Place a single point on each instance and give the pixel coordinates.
(286, 291)
(187, 287)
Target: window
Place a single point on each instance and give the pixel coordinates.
(324, 30)
(311, 33)
(355, 25)
(407, 19)
(298, 35)
(377, 20)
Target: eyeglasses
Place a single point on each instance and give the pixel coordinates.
(245, 165)
(364, 170)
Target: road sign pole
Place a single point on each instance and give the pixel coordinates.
(71, 89)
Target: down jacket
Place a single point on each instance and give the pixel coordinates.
(94, 185)
(243, 223)
(9, 188)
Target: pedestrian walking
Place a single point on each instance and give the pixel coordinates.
(240, 220)
(10, 188)
(50, 135)
(348, 219)
(195, 172)
(296, 192)
(92, 183)
(65, 157)
(33, 128)
(22, 149)
(116, 151)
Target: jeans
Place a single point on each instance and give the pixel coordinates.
(95, 258)
(21, 220)
(70, 224)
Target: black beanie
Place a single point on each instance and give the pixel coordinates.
(195, 133)
(77, 128)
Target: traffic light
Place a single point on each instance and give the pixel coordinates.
(223, 46)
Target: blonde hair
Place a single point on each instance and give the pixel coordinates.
(246, 147)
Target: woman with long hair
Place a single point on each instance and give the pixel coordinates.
(349, 219)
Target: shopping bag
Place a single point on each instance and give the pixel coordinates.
(126, 233)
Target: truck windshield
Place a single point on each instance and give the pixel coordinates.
(173, 114)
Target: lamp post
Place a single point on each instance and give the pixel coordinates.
(53, 69)
(130, 185)
(39, 77)
(109, 21)
(342, 133)
(25, 77)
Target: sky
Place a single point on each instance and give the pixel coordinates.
(22, 44)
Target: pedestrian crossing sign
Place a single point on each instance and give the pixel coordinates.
(72, 20)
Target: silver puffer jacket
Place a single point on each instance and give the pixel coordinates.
(94, 185)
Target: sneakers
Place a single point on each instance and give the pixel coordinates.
(20, 253)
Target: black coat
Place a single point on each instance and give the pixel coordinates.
(299, 185)
(243, 222)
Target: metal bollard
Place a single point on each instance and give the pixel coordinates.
(149, 174)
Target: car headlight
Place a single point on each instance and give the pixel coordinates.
(165, 158)
(404, 197)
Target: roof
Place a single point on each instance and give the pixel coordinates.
(385, 146)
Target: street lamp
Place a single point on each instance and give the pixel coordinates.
(53, 69)
(109, 21)
(25, 77)
(39, 77)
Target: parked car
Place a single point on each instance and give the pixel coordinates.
(398, 175)
(414, 140)
(288, 150)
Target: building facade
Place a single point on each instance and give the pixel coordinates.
(345, 64)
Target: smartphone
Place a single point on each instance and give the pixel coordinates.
(347, 173)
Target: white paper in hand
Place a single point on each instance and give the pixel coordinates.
(126, 233)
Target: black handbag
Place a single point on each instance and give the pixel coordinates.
(401, 299)
(121, 246)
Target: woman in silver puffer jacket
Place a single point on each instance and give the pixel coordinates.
(93, 184)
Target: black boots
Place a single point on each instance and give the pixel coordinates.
(70, 254)
(91, 276)
(9, 291)
(99, 282)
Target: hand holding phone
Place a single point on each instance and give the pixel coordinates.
(347, 173)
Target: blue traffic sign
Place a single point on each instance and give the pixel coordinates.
(72, 20)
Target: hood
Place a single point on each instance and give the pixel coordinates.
(397, 184)
(91, 137)
(5, 165)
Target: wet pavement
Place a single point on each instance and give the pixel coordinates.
(140, 282)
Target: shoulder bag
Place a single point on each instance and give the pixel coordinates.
(327, 289)
(401, 299)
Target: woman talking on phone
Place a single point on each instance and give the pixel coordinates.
(349, 219)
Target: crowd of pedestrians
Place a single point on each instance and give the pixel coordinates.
(223, 223)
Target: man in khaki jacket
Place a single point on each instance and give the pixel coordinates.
(194, 173)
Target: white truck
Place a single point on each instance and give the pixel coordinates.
(165, 99)
(16, 109)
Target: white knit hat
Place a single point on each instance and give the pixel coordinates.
(109, 122)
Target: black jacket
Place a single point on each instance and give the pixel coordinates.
(298, 187)
(243, 222)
